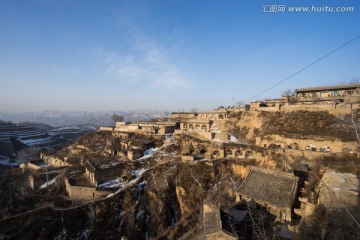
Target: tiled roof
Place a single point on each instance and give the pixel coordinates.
(211, 222)
(218, 220)
(271, 187)
(227, 222)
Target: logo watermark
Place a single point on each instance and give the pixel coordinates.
(273, 8)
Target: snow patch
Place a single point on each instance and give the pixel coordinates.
(139, 213)
(217, 140)
(111, 183)
(233, 138)
(149, 152)
(137, 172)
(52, 181)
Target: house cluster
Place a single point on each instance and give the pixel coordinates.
(201, 123)
(147, 128)
(214, 144)
(339, 98)
(265, 197)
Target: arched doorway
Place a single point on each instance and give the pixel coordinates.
(295, 146)
(202, 151)
(204, 128)
(347, 150)
(216, 154)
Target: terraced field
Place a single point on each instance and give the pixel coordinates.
(17, 137)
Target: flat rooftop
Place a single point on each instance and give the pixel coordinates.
(328, 88)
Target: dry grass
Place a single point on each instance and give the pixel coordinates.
(307, 123)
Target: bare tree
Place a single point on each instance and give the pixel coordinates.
(117, 117)
(355, 80)
(288, 92)
(239, 103)
(194, 110)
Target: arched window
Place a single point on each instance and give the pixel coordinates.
(221, 117)
(348, 150)
(238, 153)
(216, 154)
(197, 127)
(191, 127)
(184, 126)
(228, 153)
(204, 128)
(295, 146)
(314, 95)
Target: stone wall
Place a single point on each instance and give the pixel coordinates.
(103, 175)
(55, 161)
(106, 129)
(133, 154)
(166, 129)
(187, 158)
(30, 166)
(183, 115)
(308, 107)
(84, 193)
(35, 181)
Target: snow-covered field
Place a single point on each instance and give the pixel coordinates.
(31, 142)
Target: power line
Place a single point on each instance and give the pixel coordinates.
(306, 67)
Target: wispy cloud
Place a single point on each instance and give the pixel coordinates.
(149, 61)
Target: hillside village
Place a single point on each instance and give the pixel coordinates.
(284, 168)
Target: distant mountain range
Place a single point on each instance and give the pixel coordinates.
(63, 118)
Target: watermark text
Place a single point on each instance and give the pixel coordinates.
(273, 8)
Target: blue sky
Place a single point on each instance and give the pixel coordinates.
(166, 55)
